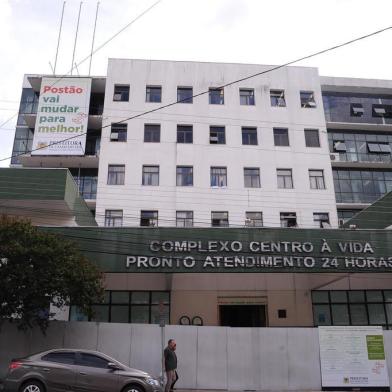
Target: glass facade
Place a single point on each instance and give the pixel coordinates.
(355, 108)
(142, 307)
(87, 180)
(354, 307)
(361, 186)
(360, 146)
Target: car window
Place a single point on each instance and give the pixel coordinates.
(92, 361)
(60, 357)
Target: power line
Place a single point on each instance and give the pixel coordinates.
(220, 87)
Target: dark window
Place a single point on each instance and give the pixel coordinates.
(281, 137)
(121, 93)
(321, 219)
(184, 134)
(249, 136)
(277, 98)
(285, 178)
(150, 175)
(219, 176)
(217, 135)
(312, 138)
(356, 109)
(184, 94)
(92, 360)
(28, 103)
(219, 219)
(184, 176)
(216, 96)
(149, 218)
(65, 357)
(184, 218)
(116, 174)
(118, 133)
(87, 180)
(316, 178)
(254, 219)
(307, 99)
(282, 313)
(252, 177)
(152, 133)
(153, 94)
(247, 96)
(113, 218)
(382, 111)
(23, 143)
(288, 219)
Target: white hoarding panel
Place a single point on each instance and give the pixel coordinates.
(353, 357)
(62, 116)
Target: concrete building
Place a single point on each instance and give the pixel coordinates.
(287, 151)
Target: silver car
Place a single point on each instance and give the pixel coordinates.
(75, 370)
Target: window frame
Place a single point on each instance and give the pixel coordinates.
(219, 130)
(218, 176)
(154, 220)
(252, 222)
(221, 96)
(149, 93)
(281, 135)
(185, 100)
(248, 98)
(116, 175)
(317, 182)
(226, 220)
(254, 178)
(308, 102)
(277, 101)
(181, 183)
(309, 141)
(185, 133)
(185, 220)
(287, 178)
(246, 135)
(122, 93)
(286, 216)
(111, 221)
(119, 129)
(149, 176)
(152, 133)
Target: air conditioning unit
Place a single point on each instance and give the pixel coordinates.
(114, 136)
(334, 157)
(117, 97)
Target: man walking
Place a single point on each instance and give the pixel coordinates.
(170, 365)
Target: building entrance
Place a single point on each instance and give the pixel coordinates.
(242, 315)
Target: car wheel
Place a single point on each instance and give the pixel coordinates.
(133, 388)
(32, 386)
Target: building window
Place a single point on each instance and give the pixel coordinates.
(312, 138)
(218, 176)
(150, 175)
(149, 218)
(277, 98)
(321, 219)
(219, 219)
(118, 132)
(216, 96)
(288, 219)
(345, 215)
(379, 148)
(153, 94)
(141, 307)
(247, 96)
(217, 135)
(285, 178)
(307, 99)
(352, 307)
(249, 136)
(116, 174)
(22, 144)
(152, 133)
(361, 186)
(379, 110)
(184, 218)
(184, 176)
(316, 178)
(184, 94)
(356, 110)
(252, 177)
(254, 219)
(121, 93)
(184, 134)
(113, 218)
(87, 180)
(281, 137)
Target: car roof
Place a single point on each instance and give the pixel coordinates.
(65, 350)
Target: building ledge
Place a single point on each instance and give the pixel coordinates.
(358, 126)
(362, 165)
(60, 161)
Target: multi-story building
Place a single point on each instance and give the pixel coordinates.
(285, 149)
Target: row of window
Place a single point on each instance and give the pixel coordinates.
(354, 307)
(215, 96)
(152, 134)
(141, 307)
(218, 176)
(149, 218)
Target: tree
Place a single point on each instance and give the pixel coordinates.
(38, 269)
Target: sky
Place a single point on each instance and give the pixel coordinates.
(242, 31)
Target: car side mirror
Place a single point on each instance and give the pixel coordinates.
(113, 366)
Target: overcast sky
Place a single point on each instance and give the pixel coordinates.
(245, 31)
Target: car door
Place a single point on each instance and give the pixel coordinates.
(93, 374)
(58, 370)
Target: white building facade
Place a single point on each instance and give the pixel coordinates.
(254, 153)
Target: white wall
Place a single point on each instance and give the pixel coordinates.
(167, 198)
(284, 359)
